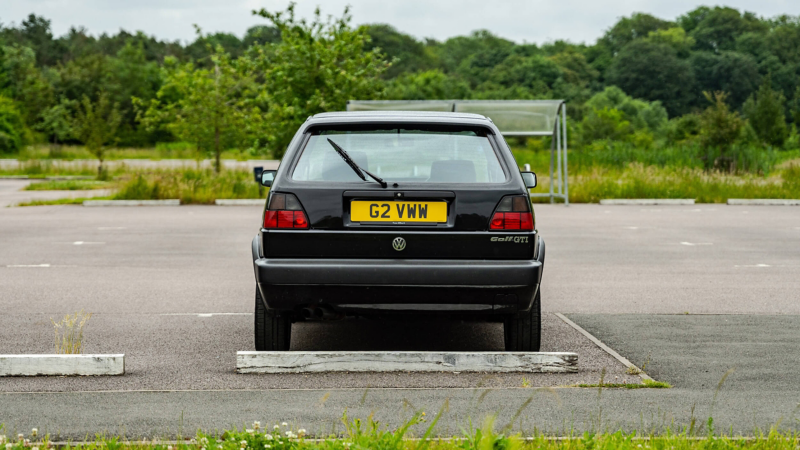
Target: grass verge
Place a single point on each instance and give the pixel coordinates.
(61, 201)
(68, 185)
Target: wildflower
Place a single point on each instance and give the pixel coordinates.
(9, 446)
(256, 425)
(35, 448)
(284, 424)
(202, 448)
(204, 441)
(243, 444)
(423, 413)
(267, 446)
(301, 432)
(268, 437)
(20, 437)
(2, 439)
(169, 447)
(276, 427)
(34, 432)
(249, 431)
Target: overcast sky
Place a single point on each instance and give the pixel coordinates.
(519, 20)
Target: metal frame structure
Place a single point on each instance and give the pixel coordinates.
(555, 126)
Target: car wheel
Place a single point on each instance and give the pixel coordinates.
(272, 330)
(523, 332)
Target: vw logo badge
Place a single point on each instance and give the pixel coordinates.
(399, 244)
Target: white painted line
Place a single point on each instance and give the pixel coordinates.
(206, 314)
(61, 365)
(28, 265)
(763, 201)
(239, 202)
(111, 228)
(697, 243)
(497, 362)
(173, 202)
(647, 201)
(631, 228)
(754, 265)
(606, 348)
(87, 243)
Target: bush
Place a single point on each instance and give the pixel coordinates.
(11, 126)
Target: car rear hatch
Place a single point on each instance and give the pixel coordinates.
(463, 235)
(443, 186)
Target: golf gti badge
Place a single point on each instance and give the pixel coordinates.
(398, 213)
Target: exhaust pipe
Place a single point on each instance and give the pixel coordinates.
(324, 312)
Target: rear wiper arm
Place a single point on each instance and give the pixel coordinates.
(356, 168)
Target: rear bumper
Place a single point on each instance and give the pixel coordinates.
(397, 285)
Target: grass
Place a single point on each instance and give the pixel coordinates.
(69, 333)
(68, 185)
(645, 384)
(189, 185)
(61, 201)
(639, 181)
(594, 175)
(164, 150)
(369, 434)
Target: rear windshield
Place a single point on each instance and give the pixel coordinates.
(401, 155)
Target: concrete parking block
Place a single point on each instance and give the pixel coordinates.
(61, 365)
(764, 202)
(647, 201)
(170, 202)
(498, 362)
(239, 202)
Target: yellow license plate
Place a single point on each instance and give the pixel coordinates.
(381, 211)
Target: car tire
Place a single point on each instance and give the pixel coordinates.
(273, 331)
(523, 331)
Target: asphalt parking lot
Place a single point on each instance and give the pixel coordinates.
(173, 286)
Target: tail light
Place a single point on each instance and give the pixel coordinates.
(513, 213)
(284, 211)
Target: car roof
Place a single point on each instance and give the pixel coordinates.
(352, 117)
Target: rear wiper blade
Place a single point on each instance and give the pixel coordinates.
(356, 168)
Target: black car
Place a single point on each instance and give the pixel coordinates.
(398, 213)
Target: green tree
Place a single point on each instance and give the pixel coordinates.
(318, 66)
(130, 76)
(764, 111)
(606, 123)
(11, 126)
(716, 29)
(26, 83)
(639, 113)
(795, 108)
(95, 125)
(629, 29)
(720, 129)
(731, 72)
(406, 53)
(208, 107)
(674, 37)
(653, 71)
(428, 85)
(56, 121)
